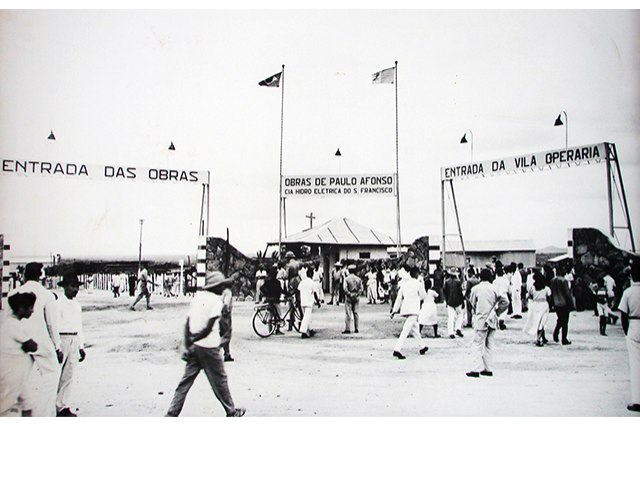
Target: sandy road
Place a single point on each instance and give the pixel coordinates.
(133, 365)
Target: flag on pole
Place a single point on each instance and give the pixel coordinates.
(272, 81)
(388, 75)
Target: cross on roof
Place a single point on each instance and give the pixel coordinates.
(311, 219)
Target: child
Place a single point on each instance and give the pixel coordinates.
(15, 346)
(429, 311)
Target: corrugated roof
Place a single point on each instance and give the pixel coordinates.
(492, 246)
(339, 231)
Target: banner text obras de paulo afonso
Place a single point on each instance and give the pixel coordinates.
(531, 162)
(29, 168)
(338, 185)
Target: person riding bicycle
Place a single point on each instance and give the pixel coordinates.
(271, 292)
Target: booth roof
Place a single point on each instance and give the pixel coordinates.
(339, 231)
(493, 246)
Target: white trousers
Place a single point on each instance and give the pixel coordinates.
(41, 390)
(70, 349)
(410, 327)
(483, 348)
(516, 301)
(14, 372)
(455, 319)
(305, 326)
(633, 347)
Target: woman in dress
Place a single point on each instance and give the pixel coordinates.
(539, 295)
(429, 311)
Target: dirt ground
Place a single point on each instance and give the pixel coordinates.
(133, 366)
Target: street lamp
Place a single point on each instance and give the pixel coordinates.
(470, 141)
(558, 123)
(171, 147)
(51, 136)
(140, 247)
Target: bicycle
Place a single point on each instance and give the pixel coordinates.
(265, 322)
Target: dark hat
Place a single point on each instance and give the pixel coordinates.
(68, 279)
(215, 279)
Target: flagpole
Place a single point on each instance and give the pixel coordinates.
(281, 137)
(397, 169)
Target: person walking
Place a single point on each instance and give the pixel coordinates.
(410, 294)
(335, 283)
(454, 299)
(487, 304)
(438, 280)
(143, 288)
(225, 323)
(538, 309)
(71, 341)
(502, 284)
(629, 307)
(16, 345)
(202, 341)
(428, 315)
(308, 296)
(352, 291)
(372, 285)
(261, 276)
(515, 290)
(472, 281)
(42, 326)
(563, 304)
(293, 280)
(115, 285)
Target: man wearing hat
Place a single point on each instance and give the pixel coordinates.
(71, 340)
(336, 281)
(202, 340)
(352, 292)
(454, 299)
(39, 397)
(143, 287)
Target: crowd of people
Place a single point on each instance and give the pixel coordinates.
(41, 343)
(41, 339)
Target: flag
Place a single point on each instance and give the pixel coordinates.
(272, 81)
(388, 75)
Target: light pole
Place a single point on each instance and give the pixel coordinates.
(140, 247)
(558, 122)
(464, 140)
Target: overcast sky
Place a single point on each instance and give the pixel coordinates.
(118, 87)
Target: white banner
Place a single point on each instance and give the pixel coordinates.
(574, 156)
(28, 168)
(338, 185)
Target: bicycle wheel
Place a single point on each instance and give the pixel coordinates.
(263, 323)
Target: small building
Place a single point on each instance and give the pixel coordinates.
(340, 239)
(479, 253)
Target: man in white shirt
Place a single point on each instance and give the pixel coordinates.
(630, 308)
(516, 290)
(202, 340)
(143, 288)
(71, 340)
(39, 398)
(308, 297)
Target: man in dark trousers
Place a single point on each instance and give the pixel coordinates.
(202, 340)
(454, 299)
(562, 302)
